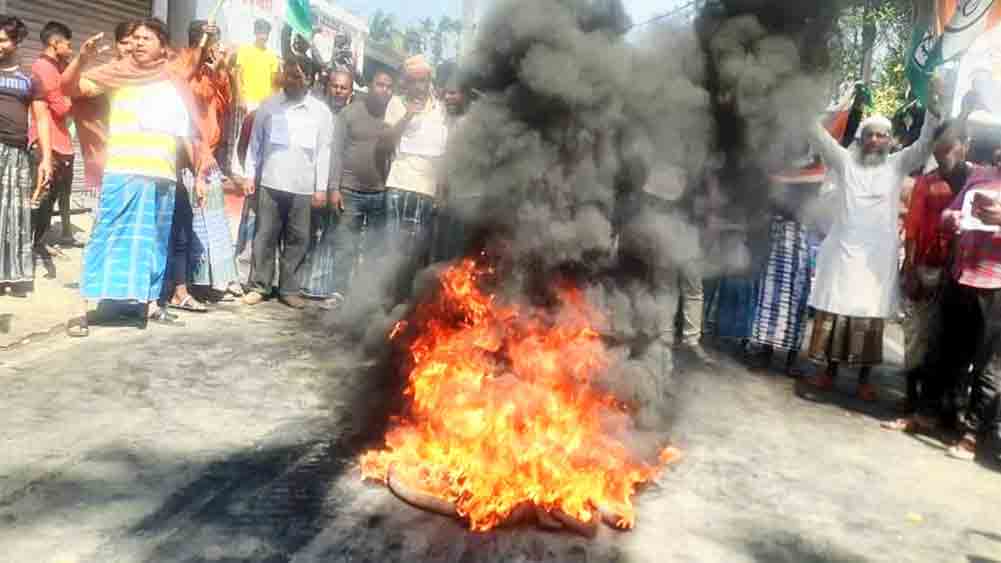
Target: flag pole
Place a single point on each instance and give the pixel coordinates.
(211, 21)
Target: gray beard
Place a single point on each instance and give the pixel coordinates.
(872, 160)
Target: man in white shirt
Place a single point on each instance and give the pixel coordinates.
(289, 160)
(418, 133)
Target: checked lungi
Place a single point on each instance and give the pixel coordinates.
(126, 257)
(784, 287)
(16, 187)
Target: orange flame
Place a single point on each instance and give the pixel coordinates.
(502, 410)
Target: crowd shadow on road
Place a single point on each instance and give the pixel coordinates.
(988, 538)
(778, 546)
(260, 503)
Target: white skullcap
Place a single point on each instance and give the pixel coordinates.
(876, 122)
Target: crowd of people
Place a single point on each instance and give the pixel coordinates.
(337, 178)
(333, 175)
(894, 241)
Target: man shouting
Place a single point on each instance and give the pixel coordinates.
(856, 284)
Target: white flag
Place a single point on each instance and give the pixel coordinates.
(971, 19)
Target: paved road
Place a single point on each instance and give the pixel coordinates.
(233, 440)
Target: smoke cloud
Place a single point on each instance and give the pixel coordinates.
(623, 164)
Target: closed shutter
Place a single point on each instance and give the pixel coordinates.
(85, 18)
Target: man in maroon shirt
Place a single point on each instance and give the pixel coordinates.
(46, 72)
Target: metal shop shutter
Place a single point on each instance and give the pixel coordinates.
(85, 18)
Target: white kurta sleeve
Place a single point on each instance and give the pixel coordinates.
(833, 154)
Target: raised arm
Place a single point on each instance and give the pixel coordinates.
(832, 153)
(73, 83)
(390, 138)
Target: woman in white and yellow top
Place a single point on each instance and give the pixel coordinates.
(149, 121)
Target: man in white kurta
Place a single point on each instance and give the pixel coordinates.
(856, 283)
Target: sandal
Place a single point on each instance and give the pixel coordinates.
(911, 424)
(964, 450)
(77, 328)
(162, 317)
(189, 304)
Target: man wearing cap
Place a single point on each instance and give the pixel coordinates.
(418, 133)
(856, 284)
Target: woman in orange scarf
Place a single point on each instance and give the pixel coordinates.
(202, 253)
(125, 259)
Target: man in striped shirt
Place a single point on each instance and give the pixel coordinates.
(972, 304)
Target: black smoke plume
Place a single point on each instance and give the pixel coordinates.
(621, 165)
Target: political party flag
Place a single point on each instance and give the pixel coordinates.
(299, 17)
(970, 19)
(925, 53)
(944, 30)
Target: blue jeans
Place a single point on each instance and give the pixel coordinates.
(411, 223)
(360, 233)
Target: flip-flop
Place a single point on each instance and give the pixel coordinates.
(235, 290)
(189, 304)
(907, 425)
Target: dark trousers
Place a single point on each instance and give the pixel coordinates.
(360, 233)
(971, 336)
(180, 242)
(59, 191)
(282, 219)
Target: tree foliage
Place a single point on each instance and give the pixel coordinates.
(892, 21)
(435, 39)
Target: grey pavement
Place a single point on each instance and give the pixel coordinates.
(56, 295)
(235, 439)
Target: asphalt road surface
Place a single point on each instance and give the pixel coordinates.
(235, 439)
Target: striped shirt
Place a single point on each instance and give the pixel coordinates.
(978, 257)
(143, 129)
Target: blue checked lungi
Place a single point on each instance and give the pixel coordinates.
(126, 257)
(784, 287)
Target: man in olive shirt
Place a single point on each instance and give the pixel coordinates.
(362, 195)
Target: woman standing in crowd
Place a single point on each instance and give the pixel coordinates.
(18, 95)
(202, 245)
(149, 120)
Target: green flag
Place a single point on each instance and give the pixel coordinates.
(925, 53)
(299, 17)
